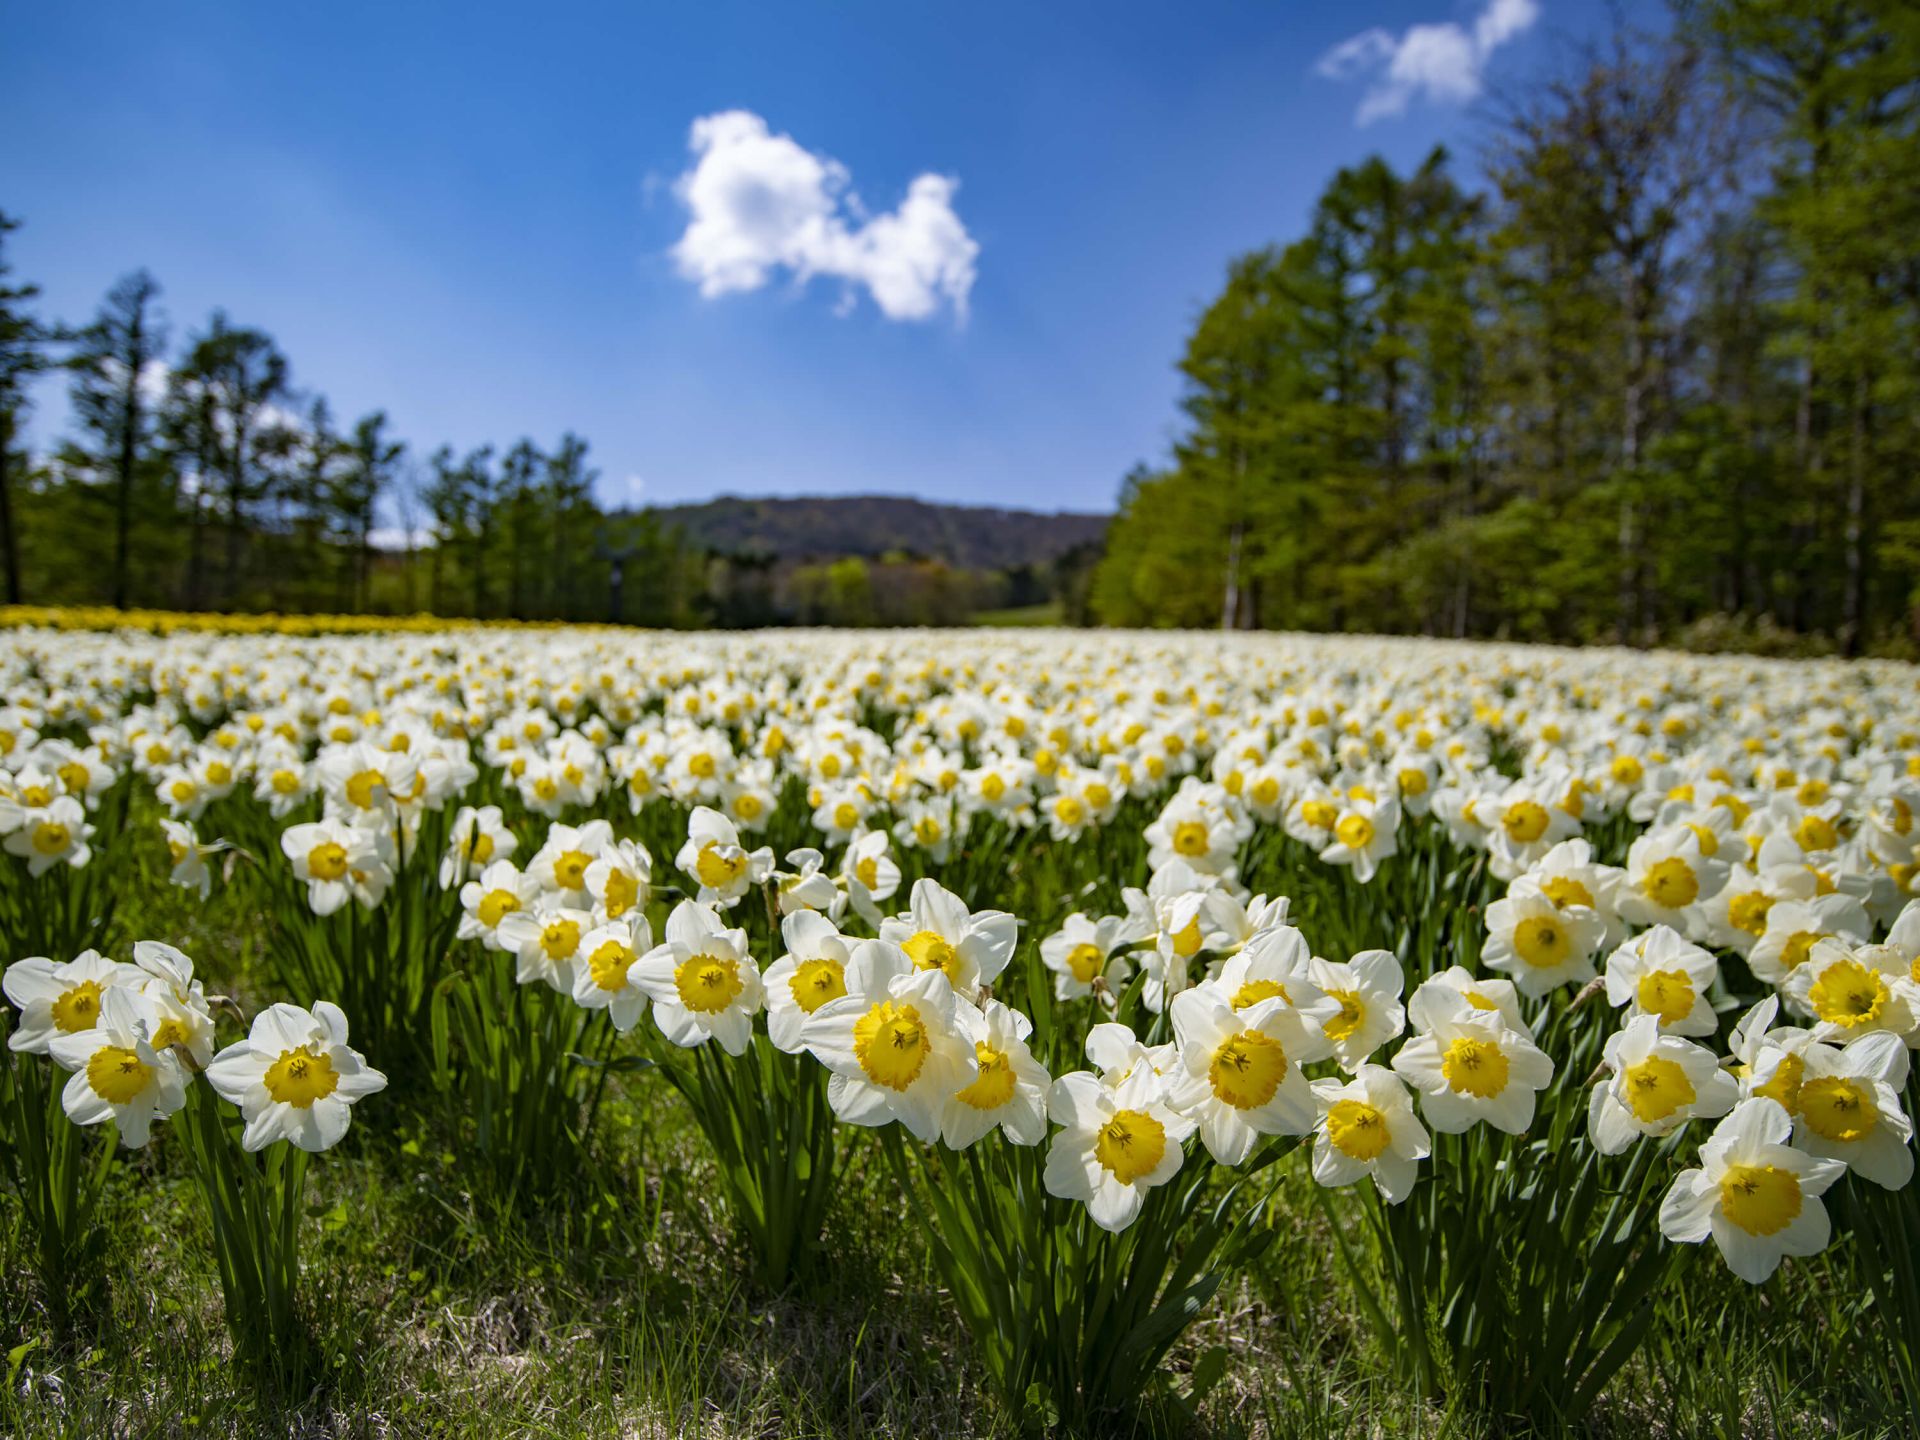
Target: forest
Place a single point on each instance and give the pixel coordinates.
(1653, 381)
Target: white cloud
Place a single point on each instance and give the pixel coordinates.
(636, 489)
(759, 202)
(1442, 63)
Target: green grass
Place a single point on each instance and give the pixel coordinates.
(1024, 616)
(618, 1308)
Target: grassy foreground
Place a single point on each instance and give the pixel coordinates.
(590, 1315)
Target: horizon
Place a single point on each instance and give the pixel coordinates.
(798, 271)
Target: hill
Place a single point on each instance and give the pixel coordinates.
(971, 537)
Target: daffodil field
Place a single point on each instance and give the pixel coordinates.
(586, 1031)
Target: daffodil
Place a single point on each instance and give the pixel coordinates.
(603, 964)
(1366, 1127)
(702, 980)
(60, 999)
(561, 863)
(181, 1011)
(1366, 991)
(1855, 990)
(1240, 1070)
(339, 862)
(546, 941)
(55, 834)
(477, 838)
(1115, 1142)
(1009, 1088)
(1757, 1196)
(1847, 1106)
(117, 1073)
(713, 858)
(1538, 944)
(294, 1077)
(938, 932)
(893, 1042)
(1083, 951)
(501, 891)
(1656, 1083)
(1469, 1066)
(1662, 974)
(811, 973)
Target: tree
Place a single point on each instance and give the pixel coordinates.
(23, 354)
(228, 390)
(372, 463)
(569, 490)
(115, 367)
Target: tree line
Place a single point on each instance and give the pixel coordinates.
(202, 478)
(1655, 380)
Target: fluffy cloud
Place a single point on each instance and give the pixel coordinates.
(758, 203)
(1442, 63)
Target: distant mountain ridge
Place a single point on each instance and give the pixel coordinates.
(818, 527)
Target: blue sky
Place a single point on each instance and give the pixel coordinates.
(477, 216)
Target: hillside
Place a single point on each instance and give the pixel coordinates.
(972, 537)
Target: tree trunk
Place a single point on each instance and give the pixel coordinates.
(123, 518)
(1230, 603)
(9, 540)
(1854, 602)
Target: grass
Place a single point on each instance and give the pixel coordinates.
(1022, 617)
(617, 1308)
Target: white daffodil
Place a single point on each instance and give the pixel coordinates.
(1848, 1108)
(620, 880)
(179, 1001)
(1854, 991)
(1083, 951)
(938, 932)
(60, 999)
(1757, 1196)
(1661, 973)
(702, 980)
(477, 839)
(1240, 1074)
(118, 1075)
(294, 1077)
(1436, 992)
(1010, 1089)
(603, 965)
(500, 892)
(187, 857)
(715, 860)
(546, 943)
(1572, 879)
(561, 864)
(1469, 1067)
(1116, 1142)
(1539, 944)
(1794, 926)
(1367, 991)
(806, 886)
(870, 874)
(339, 862)
(893, 1042)
(1365, 833)
(1366, 1126)
(811, 973)
(57, 834)
(1668, 873)
(1657, 1082)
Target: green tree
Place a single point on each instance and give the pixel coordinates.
(24, 341)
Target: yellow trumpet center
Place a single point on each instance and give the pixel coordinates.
(1130, 1145)
(300, 1077)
